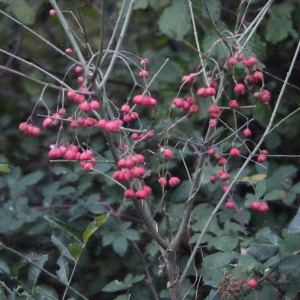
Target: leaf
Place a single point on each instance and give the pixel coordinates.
(131, 234)
(63, 272)
(45, 292)
(290, 264)
(280, 25)
(254, 178)
(92, 227)
(223, 243)
(16, 268)
(294, 226)
(141, 4)
(61, 247)
(23, 11)
(275, 195)
(75, 250)
(115, 286)
(4, 168)
(31, 179)
(34, 271)
(175, 22)
(66, 191)
(265, 245)
(4, 267)
(66, 228)
(120, 245)
(261, 188)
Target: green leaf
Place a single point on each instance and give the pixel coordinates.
(175, 22)
(290, 264)
(4, 168)
(75, 250)
(261, 188)
(63, 272)
(265, 245)
(34, 271)
(63, 227)
(61, 247)
(131, 234)
(16, 268)
(45, 292)
(223, 243)
(261, 112)
(23, 11)
(141, 4)
(31, 179)
(66, 191)
(4, 267)
(294, 226)
(92, 227)
(115, 286)
(120, 245)
(275, 195)
(280, 25)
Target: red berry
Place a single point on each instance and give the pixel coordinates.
(84, 106)
(80, 79)
(47, 122)
(168, 153)
(222, 161)
(240, 57)
(70, 154)
(201, 92)
(129, 193)
(141, 194)
(143, 74)
(225, 188)
(229, 204)
(232, 61)
(94, 104)
(255, 205)
(239, 88)
(252, 283)
(247, 132)
(214, 111)
(258, 75)
(163, 181)
(261, 158)
(233, 104)
(68, 50)
(78, 69)
(225, 176)
(178, 102)
(213, 122)
(211, 151)
(148, 190)
(173, 181)
(52, 12)
(144, 62)
(234, 152)
(36, 131)
(264, 152)
(213, 179)
(23, 126)
(125, 108)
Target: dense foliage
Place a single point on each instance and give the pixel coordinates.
(65, 224)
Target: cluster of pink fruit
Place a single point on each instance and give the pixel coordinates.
(254, 77)
(144, 64)
(29, 129)
(188, 104)
(142, 136)
(87, 161)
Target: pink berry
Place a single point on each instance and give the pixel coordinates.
(214, 111)
(52, 12)
(173, 181)
(78, 69)
(225, 188)
(80, 79)
(163, 181)
(213, 179)
(144, 62)
(261, 158)
(264, 152)
(225, 176)
(258, 75)
(141, 194)
(252, 283)
(178, 102)
(47, 122)
(239, 88)
(148, 190)
(234, 152)
(168, 153)
(36, 131)
(252, 61)
(222, 161)
(143, 74)
(23, 126)
(201, 92)
(84, 106)
(68, 50)
(211, 151)
(233, 104)
(94, 104)
(240, 57)
(247, 132)
(232, 61)
(70, 154)
(129, 193)
(229, 204)
(125, 108)
(255, 205)
(213, 122)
